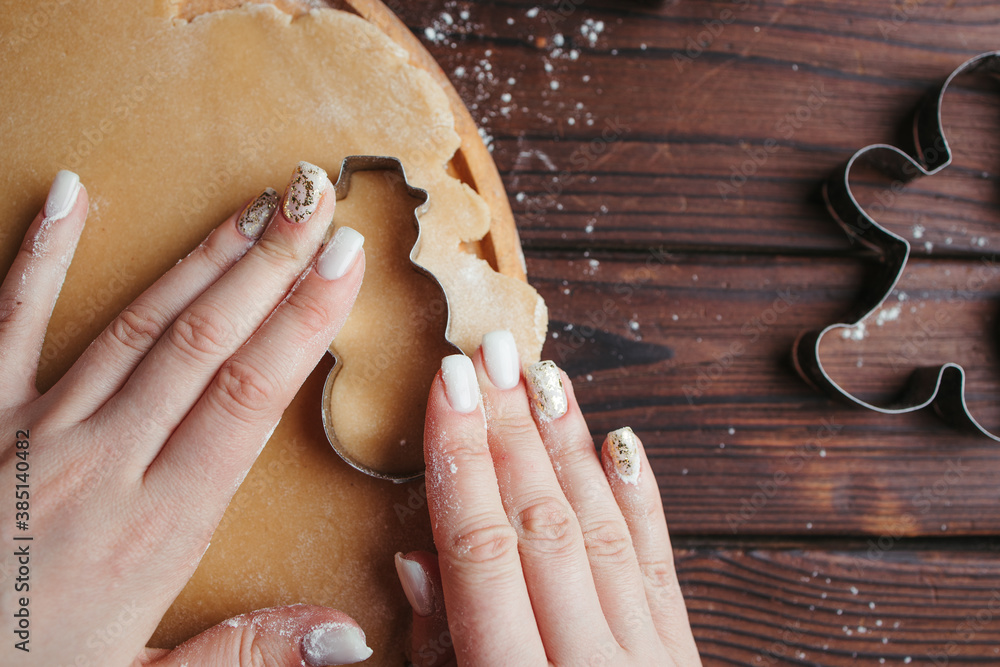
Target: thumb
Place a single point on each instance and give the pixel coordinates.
(431, 644)
(278, 637)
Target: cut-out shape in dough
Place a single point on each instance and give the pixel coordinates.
(387, 355)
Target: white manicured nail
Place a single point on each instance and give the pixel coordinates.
(304, 191)
(502, 362)
(460, 383)
(623, 447)
(62, 195)
(545, 388)
(340, 253)
(416, 585)
(335, 644)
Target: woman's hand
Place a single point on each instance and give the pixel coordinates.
(548, 552)
(129, 461)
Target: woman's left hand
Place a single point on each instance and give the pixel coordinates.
(125, 467)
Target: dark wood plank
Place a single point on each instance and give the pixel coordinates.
(618, 147)
(694, 353)
(867, 605)
(644, 138)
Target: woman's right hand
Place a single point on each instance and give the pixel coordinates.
(549, 553)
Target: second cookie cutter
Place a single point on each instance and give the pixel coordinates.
(348, 168)
(941, 388)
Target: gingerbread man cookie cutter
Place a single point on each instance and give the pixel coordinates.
(942, 388)
(350, 166)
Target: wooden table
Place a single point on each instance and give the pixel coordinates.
(681, 252)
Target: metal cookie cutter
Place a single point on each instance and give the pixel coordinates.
(348, 168)
(941, 388)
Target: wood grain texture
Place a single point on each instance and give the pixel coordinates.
(863, 605)
(818, 78)
(694, 353)
(676, 290)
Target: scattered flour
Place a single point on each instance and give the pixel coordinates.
(887, 315)
(858, 332)
(591, 30)
(492, 97)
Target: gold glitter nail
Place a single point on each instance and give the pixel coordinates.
(303, 192)
(546, 391)
(623, 447)
(258, 213)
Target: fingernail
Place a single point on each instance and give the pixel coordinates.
(545, 388)
(304, 191)
(258, 213)
(340, 253)
(502, 362)
(335, 644)
(460, 383)
(62, 195)
(623, 447)
(416, 585)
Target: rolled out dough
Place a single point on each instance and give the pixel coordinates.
(171, 124)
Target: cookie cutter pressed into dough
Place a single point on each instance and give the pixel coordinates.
(348, 168)
(941, 388)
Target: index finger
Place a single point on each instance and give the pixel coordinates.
(485, 593)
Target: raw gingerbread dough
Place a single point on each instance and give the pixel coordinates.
(171, 125)
(398, 325)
